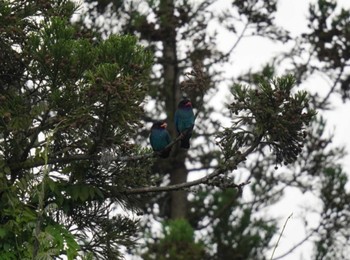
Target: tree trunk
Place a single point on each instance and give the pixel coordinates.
(178, 172)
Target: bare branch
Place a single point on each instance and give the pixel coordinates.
(220, 170)
(37, 162)
(297, 245)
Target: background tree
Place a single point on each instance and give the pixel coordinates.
(180, 35)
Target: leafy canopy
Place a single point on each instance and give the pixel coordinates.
(66, 96)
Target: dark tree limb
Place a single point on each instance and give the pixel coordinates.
(37, 162)
(220, 170)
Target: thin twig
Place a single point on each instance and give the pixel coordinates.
(326, 98)
(297, 245)
(279, 238)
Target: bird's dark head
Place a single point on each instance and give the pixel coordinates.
(160, 124)
(185, 103)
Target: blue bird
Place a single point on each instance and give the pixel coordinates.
(184, 121)
(160, 138)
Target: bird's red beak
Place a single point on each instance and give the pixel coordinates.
(188, 104)
(164, 125)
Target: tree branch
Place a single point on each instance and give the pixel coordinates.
(37, 162)
(335, 83)
(297, 245)
(220, 170)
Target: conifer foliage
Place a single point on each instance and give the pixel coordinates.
(66, 97)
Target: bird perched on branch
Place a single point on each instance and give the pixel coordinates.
(184, 121)
(160, 138)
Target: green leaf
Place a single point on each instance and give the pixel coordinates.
(7, 170)
(99, 193)
(52, 184)
(3, 232)
(84, 193)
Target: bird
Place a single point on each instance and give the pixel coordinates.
(160, 138)
(184, 121)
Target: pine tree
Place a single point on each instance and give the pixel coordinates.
(68, 100)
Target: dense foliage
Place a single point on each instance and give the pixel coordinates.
(67, 97)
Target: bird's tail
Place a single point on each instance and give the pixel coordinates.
(165, 153)
(185, 142)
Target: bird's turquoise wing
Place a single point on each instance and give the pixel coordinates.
(184, 119)
(159, 139)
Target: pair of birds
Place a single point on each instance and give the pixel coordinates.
(184, 122)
